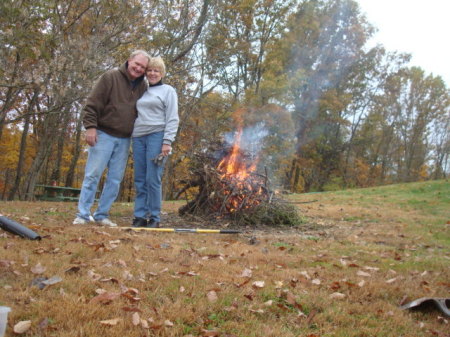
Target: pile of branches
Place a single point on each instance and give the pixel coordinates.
(242, 201)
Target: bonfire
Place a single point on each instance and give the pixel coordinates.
(230, 188)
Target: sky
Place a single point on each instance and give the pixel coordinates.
(418, 27)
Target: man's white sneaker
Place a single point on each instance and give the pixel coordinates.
(79, 221)
(107, 222)
(91, 218)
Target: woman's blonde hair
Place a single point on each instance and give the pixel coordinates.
(158, 63)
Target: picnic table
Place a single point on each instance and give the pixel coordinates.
(57, 193)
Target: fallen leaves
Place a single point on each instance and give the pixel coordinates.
(136, 319)
(22, 327)
(337, 296)
(363, 273)
(105, 298)
(246, 273)
(258, 284)
(111, 322)
(200, 280)
(38, 269)
(212, 296)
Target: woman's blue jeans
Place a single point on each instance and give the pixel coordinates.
(109, 152)
(148, 176)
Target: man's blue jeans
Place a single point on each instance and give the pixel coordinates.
(109, 152)
(147, 176)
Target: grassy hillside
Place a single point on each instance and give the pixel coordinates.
(344, 272)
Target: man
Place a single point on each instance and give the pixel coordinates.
(109, 116)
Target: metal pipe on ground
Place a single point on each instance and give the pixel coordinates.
(18, 229)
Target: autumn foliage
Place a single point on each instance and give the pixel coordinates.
(335, 113)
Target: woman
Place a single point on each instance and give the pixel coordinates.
(154, 131)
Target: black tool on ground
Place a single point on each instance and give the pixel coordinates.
(16, 228)
(428, 303)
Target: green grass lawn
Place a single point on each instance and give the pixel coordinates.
(358, 255)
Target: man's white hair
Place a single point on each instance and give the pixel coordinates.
(139, 52)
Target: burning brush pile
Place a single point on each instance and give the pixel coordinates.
(228, 187)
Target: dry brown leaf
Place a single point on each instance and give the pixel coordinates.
(74, 269)
(111, 322)
(363, 273)
(144, 324)
(258, 311)
(126, 275)
(249, 296)
(278, 284)
(305, 274)
(246, 273)
(5, 263)
(22, 327)
(131, 291)
(136, 319)
(130, 294)
(38, 269)
(168, 323)
(94, 276)
(104, 298)
(258, 284)
(337, 296)
(212, 296)
(243, 283)
(290, 298)
(109, 279)
(335, 285)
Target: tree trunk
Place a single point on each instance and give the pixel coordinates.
(23, 147)
(76, 154)
(11, 93)
(56, 173)
(50, 131)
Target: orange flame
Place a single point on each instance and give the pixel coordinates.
(233, 164)
(242, 189)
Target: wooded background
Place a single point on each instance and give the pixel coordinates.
(322, 109)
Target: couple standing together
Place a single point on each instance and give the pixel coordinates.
(120, 109)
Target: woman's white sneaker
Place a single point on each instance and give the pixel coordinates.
(79, 221)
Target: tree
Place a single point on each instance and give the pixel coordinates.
(238, 40)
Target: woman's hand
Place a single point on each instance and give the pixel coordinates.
(165, 150)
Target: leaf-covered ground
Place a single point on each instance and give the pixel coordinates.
(358, 256)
